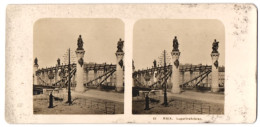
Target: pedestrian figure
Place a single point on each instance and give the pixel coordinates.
(147, 102)
(50, 100)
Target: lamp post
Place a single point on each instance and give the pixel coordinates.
(164, 59)
(165, 103)
(69, 91)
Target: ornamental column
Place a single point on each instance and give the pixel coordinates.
(175, 67)
(86, 75)
(57, 71)
(80, 71)
(35, 68)
(95, 75)
(133, 75)
(56, 74)
(120, 66)
(191, 76)
(215, 76)
(51, 76)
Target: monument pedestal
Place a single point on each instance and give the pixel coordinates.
(119, 72)
(175, 72)
(80, 72)
(215, 77)
(35, 79)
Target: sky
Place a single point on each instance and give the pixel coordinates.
(195, 37)
(54, 36)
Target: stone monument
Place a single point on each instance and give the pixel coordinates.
(215, 77)
(175, 67)
(35, 68)
(133, 66)
(58, 62)
(80, 72)
(154, 64)
(120, 66)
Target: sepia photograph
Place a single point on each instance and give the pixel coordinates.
(178, 66)
(78, 66)
(131, 63)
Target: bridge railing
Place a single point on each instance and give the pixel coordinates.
(105, 76)
(72, 73)
(55, 68)
(202, 76)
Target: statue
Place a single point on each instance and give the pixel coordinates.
(120, 45)
(133, 66)
(154, 63)
(215, 46)
(80, 43)
(175, 44)
(58, 61)
(36, 61)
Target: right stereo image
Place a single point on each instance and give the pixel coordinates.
(178, 66)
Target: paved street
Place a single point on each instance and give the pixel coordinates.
(206, 97)
(89, 102)
(105, 95)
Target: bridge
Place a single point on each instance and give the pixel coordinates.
(83, 75)
(191, 76)
(181, 76)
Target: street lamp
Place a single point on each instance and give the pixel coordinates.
(69, 91)
(165, 103)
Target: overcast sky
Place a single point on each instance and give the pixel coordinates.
(195, 37)
(52, 37)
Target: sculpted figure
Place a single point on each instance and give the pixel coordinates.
(36, 61)
(215, 46)
(120, 45)
(175, 44)
(58, 61)
(133, 64)
(154, 63)
(80, 43)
